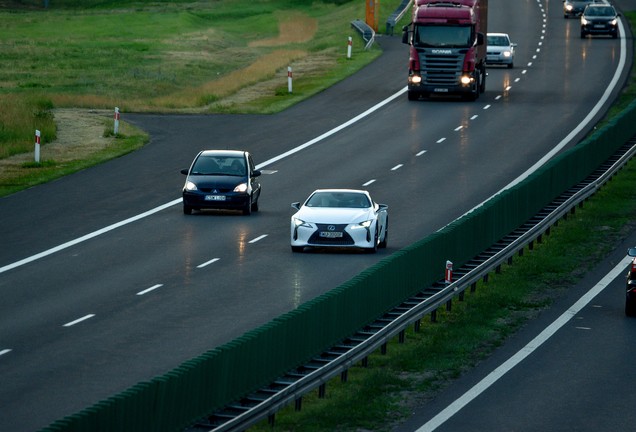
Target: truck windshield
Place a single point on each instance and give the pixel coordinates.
(443, 36)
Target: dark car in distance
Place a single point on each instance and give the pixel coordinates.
(599, 19)
(575, 8)
(223, 180)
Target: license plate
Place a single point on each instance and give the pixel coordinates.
(330, 234)
(440, 90)
(215, 197)
(599, 25)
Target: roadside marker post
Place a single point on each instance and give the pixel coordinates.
(116, 127)
(448, 278)
(289, 79)
(349, 47)
(37, 146)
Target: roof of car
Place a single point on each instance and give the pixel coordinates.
(234, 153)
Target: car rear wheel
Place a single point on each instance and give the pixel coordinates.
(187, 209)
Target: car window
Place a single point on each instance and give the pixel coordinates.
(205, 165)
(338, 200)
(214, 165)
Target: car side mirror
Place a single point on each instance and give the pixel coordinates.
(480, 38)
(256, 173)
(184, 171)
(296, 205)
(631, 251)
(405, 35)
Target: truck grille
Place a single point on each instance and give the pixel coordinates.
(441, 69)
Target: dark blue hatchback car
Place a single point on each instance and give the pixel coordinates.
(221, 179)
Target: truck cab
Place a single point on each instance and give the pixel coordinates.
(447, 48)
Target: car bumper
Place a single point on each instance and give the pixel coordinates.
(499, 59)
(347, 237)
(599, 29)
(232, 201)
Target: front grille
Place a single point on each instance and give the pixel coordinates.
(345, 240)
(214, 190)
(441, 69)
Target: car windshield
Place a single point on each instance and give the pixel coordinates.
(219, 165)
(600, 11)
(497, 40)
(338, 199)
(443, 36)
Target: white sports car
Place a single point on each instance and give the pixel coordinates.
(339, 218)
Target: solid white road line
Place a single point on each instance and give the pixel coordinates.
(513, 361)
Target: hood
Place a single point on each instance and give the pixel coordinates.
(216, 181)
(333, 215)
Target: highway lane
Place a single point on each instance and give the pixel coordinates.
(450, 155)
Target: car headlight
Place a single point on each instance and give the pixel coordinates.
(583, 21)
(241, 188)
(507, 53)
(365, 224)
(299, 222)
(190, 186)
(614, 22)
(568, 8)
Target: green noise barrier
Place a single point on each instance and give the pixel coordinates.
(214, 379)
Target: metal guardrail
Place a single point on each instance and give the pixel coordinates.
(292, 386)
(368, 34)
(397, 15)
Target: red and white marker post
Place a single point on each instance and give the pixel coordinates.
(448, 277)
(349, 44)
(37, 146)
(289, 79)
(116, 126)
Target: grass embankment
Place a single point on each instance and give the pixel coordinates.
(228, 56)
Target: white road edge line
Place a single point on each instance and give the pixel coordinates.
(513, 361)
(5, 351)
(79, 320)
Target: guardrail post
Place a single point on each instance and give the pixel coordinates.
(473, 287)
(401, 337)
(417, 325)
(449, 305)
(271, 419)
(383, 348)
(298, 403)
(434, 316)
(322, 390)
(344, 375)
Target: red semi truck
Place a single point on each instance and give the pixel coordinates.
(447, 48)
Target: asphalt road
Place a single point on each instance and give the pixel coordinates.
(74, 325)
